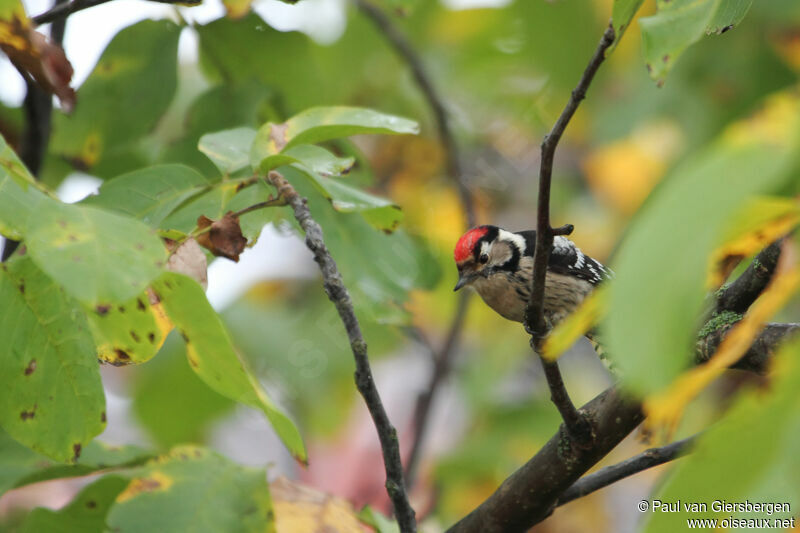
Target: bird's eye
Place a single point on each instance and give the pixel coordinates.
(483, 258)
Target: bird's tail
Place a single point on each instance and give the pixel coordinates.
(592, 335)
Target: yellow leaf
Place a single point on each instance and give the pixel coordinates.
(665, 409)
(576, 325)
(623, 173)
(774, 124)
(760, 222)
(237, 8)
(787, 45)
(301, 509)
(154, 481)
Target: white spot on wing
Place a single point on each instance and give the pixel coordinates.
(562, 244)
(580, 259)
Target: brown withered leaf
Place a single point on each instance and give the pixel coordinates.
(188, 258)
(225, 237)
(35, 54)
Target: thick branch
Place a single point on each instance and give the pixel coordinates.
(638, 463)
(738, 296)
(404, 49)
(757, 358)
(338, 294)
(529, 494)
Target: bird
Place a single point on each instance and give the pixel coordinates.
(498, 264)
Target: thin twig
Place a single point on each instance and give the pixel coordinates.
(442, 360)
(406, 51)
(272, 202)
(638, 463)
(38, 106)
(65, 9)
(338, 294)
(535, 322)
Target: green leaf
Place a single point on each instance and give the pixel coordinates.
(124, 97)
(86, 513)
(377, 520)
(21, 466)
(98, 257)
(380, 212)
(53, 399)
(19, 193)
(233, 52)
(650, 327)
(750, 455)
(314, 158)
(149, 194)
(324, 123)
(222, 107)
(680, 23)
(729, 13)
(128, 333)
(192, 489)
(621, 16)
(157, 392)
(229, 150)
(212, 357)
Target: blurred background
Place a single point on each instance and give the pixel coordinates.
(504, 70)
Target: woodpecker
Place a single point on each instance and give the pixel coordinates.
(498, 264)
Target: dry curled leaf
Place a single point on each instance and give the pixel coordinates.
(304, 510)
(224, 238)
(33, 53)
(188, 258)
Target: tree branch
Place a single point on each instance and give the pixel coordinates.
(757, 358)
(535, 322)
(638, 463)
(338, 294)
(442, 360)
(64, 9)
(529, 494)
(738, 296)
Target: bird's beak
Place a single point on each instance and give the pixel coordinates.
(463, 279)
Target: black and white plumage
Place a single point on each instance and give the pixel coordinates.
(498, 264)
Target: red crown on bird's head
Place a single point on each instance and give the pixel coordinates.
(466, 244)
